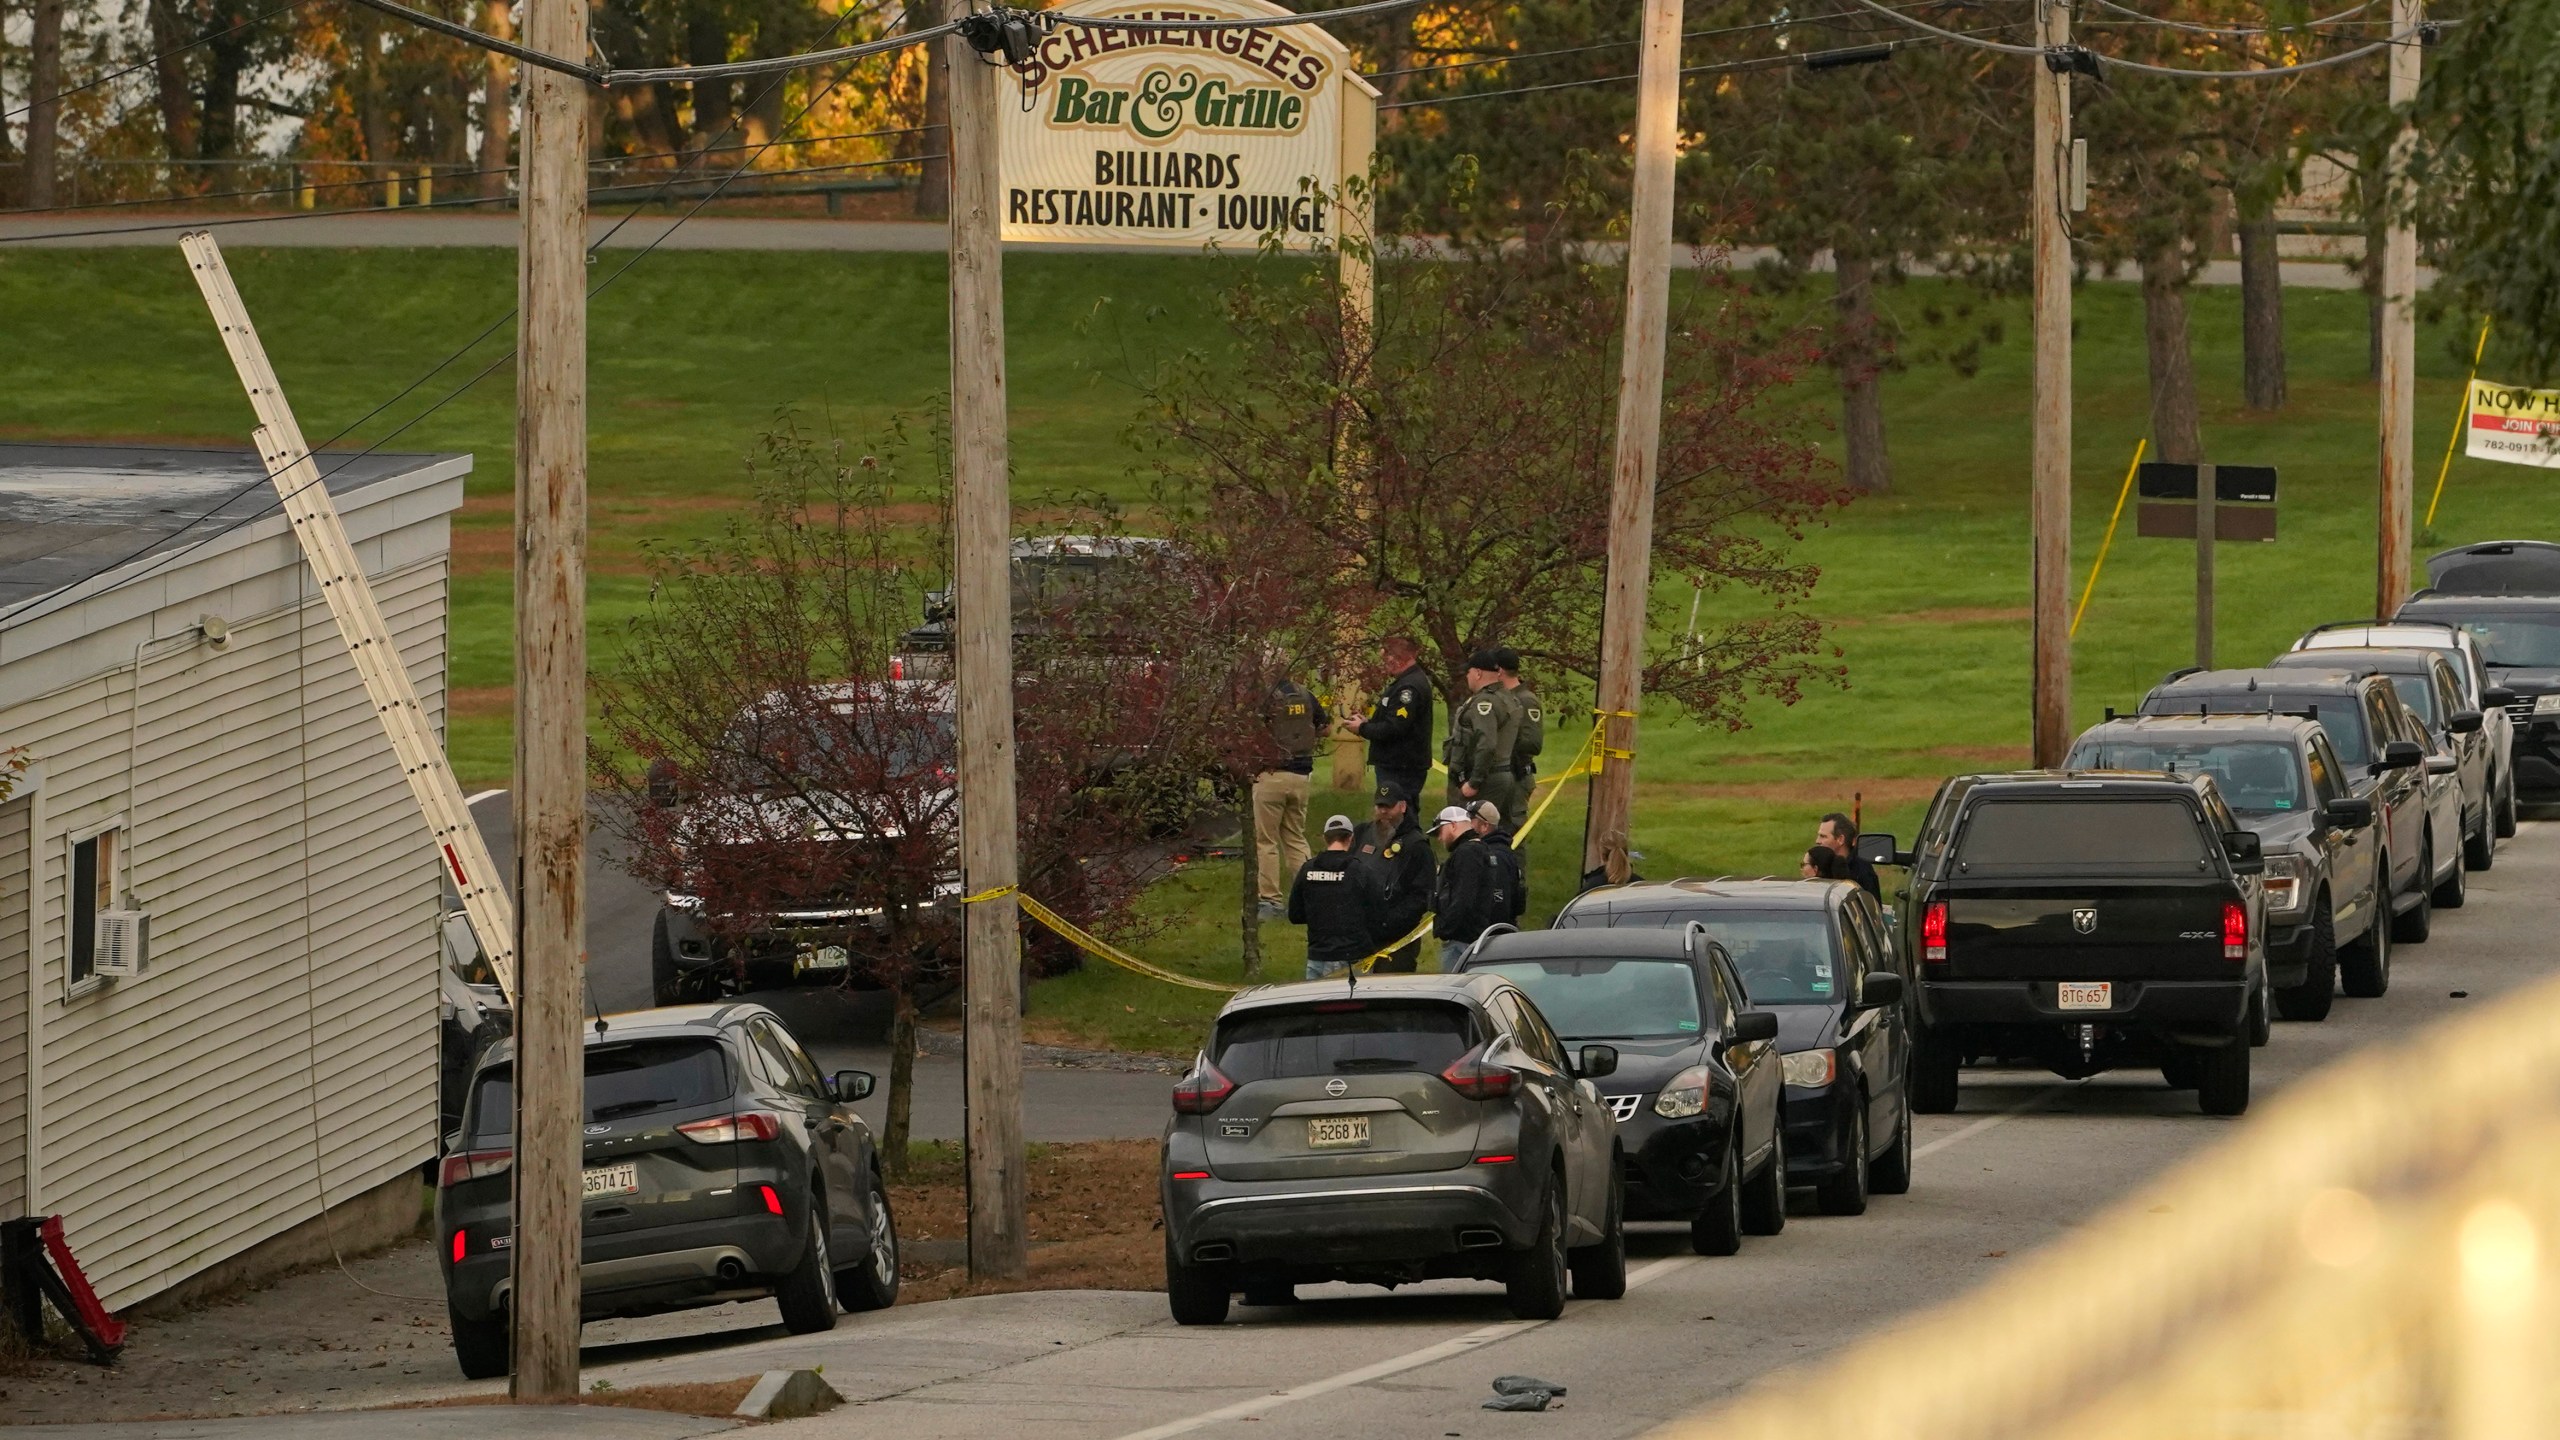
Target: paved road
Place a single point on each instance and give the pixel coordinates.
(395, 229)
(843, 1029)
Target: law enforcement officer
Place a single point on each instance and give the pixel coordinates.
(1399, 857)
(1473, 891)
(1532, 741)
(1484, 730)
(1336, 896)
(1399, 726)
(1498, 839)
(1297, 720)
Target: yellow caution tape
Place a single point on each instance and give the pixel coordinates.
(983, 896)
(1091, 944)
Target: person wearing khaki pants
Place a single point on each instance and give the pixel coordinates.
(1298, 721)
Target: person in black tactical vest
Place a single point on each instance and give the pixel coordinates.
(1399, 856)
(1336, 896)
(1399, 727)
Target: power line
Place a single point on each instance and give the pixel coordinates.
(1812, 60)
(608, 77)
(1261, 22)
(2166, 23)
(2068, 55)
(148, 61)
(1510, 56)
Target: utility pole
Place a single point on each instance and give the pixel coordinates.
(1639, 438)
(2399, 325)
(2050, 487)
(2208, 528)
(982, 595)
(551, 709)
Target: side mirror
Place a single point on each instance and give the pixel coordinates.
(2499, 696)
(2463, 722)
(1879, 989)
(1881, 850)
(2352, 813)
(2248, 856)
(851, 1085)
(2400, 755)
(2442, 764)
(1596, 1061)
(1753, 1025)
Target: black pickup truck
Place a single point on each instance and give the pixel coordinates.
(2091, 920)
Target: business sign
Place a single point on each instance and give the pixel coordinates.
(2521, 427)
(2244, 502)
(1180, 137)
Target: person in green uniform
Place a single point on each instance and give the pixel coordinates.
(1532, 739)
(1484, 730)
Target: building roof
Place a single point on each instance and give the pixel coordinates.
(70, 511)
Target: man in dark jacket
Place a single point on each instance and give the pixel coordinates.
(1839, 834)
(1398, 855)
(1474, 893)
(1337, 898)
(1497, 838)
(1399, 727)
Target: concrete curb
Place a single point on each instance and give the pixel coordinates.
(789, 1395)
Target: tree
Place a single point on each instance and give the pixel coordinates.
(1447, 474)
(2152, 202)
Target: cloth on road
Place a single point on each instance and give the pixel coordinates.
(1522, 1392)
(1279, 828)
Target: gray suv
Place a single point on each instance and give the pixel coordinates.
(1396, 1129)
(720, 1166)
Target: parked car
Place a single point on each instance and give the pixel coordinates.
(1389, 1130)
(2479, 691)
(2519, 640)
(2091, 921)
(720, 1166)
(2384, 764)
(2326, 904)
(471, 1015)
(1819, 956)
(1698, 1085)
(2452, 730)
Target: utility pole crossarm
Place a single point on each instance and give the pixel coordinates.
(368, 637)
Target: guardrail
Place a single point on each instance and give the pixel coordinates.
(2369, 1256)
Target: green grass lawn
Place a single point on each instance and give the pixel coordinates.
(693, 354)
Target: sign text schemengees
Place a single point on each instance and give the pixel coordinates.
(1179, 137)
(2510, 423)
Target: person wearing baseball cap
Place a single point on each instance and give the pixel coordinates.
(1474, 892)
(1338, 899)
(1484, 730)
(1498, 839)
(1531, 741)
(1398, 857)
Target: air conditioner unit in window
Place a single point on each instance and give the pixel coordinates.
(123, 943)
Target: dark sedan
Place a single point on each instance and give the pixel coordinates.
(1818, 955)
(1697, 1086)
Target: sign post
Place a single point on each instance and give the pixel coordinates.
(2206, 503)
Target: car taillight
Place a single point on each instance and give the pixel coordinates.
(1202, 1091)
(1470, 1076)
(721, 1129)
(457, 1247)
(2235, 930)
(464, 1165)
(772, 1200)
(1933, 933)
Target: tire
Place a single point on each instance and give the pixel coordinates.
(1197, 1294)
(2182, 1068)
(2261, 1019)
(808, 1294)
(2222, 1084)
(2455, 891)
(1764, 1200)
(1934, 1066)
(2413, 925)
(482, 1347)
(2507, 810)
(1846, 1192)
(873, 1284)
(1717, 1230)
(1535, 1279)
(2364, 968)
(1600, 1271)
(2311, 999)
(1890, 1173)
(2480, 848)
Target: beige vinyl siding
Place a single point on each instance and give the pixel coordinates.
(16, 816)
(178, 1109)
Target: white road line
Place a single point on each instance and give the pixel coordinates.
(1261, 1405)
(2040, 1098)
(469, 800)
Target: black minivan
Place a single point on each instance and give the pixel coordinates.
(720, 1166)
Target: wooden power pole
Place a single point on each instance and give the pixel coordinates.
(2399, 327)
(982, 595)
(2050, 487)
(551, 711)
(1639, 438)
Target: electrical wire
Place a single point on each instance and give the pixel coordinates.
(2141, 67)
(148, 61)
(1757, 62)
(2165, 23)
(1510, 56)
(1259, 22)
(608, 77)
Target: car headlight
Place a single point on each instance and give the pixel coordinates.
(2285, 883)
(2547, 704)
(1685, 1096)
(1811, 1069)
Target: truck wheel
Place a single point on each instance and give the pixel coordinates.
(2456, 889)
(808, 1294)
(1600, 1271)
(1535, 1279)
(1197, 1294)
(2413, 925)
(1845, 1193)
(2182, 1068)
(2261, 1021)
(2222, 1082)
(1934, 1065)
(1717, 1230)
(2480, 848)
(1890, 1172)
(2507, 809)
(2364, 968)
(1764, 1200)
(481, 1346)
(2311, 999)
